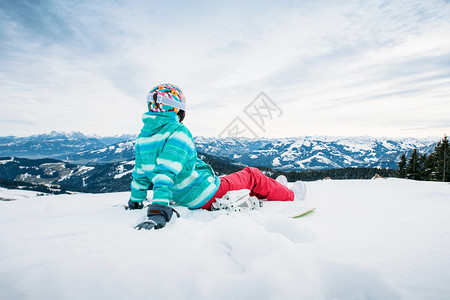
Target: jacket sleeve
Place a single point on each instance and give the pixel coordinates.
(139, 185)
(169, 163)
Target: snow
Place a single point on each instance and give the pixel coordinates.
(84, 169)
(13, 195)
(276, 162)
(25, 176)
(367, 239)
(117, 176)
(319, 147)
(5, 161)
(58, 166)
(357, 144)
(319, 157)
(121, 171)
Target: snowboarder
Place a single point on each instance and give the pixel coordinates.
(166, 157)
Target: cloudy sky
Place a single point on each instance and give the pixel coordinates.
(336, 68)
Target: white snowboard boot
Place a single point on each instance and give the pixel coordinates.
(299, 190)
(299, 187)
(282, 179)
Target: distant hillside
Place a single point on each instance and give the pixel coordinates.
(111, 177)
(55, 176)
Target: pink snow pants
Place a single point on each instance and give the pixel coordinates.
(260, 186)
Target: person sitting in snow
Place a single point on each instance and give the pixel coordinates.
(166, 157)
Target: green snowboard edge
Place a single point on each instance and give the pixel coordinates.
(304, 213)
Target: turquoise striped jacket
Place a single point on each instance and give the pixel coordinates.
(166, 156)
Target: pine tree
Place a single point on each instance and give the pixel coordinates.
(423, 171)
(442, 160)
(402, 166)
(429, 166)
(413, 166)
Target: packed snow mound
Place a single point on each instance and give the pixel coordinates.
(372, 239)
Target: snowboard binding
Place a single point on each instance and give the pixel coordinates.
(239, 200)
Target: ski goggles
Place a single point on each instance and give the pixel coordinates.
(160, 99)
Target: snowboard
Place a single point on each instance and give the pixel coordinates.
(290, 209)
(304, 212)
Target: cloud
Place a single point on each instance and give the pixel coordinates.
(88, 65)
(37, 19)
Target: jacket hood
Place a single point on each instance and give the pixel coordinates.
(157, 121)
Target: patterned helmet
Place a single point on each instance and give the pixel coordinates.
(166, 97)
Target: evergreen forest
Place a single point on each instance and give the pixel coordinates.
(432, 167)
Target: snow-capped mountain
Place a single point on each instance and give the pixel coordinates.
(300, 153)
(297, 153)
(112, 153)
(55, 144)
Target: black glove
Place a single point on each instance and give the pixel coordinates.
(157, 217)
(135, 205)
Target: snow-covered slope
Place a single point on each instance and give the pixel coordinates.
(373, 239)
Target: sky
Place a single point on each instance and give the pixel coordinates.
(251, 68)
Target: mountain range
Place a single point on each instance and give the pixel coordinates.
(296, 153)
(309, 152)
(56, 144)
(76, 162)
